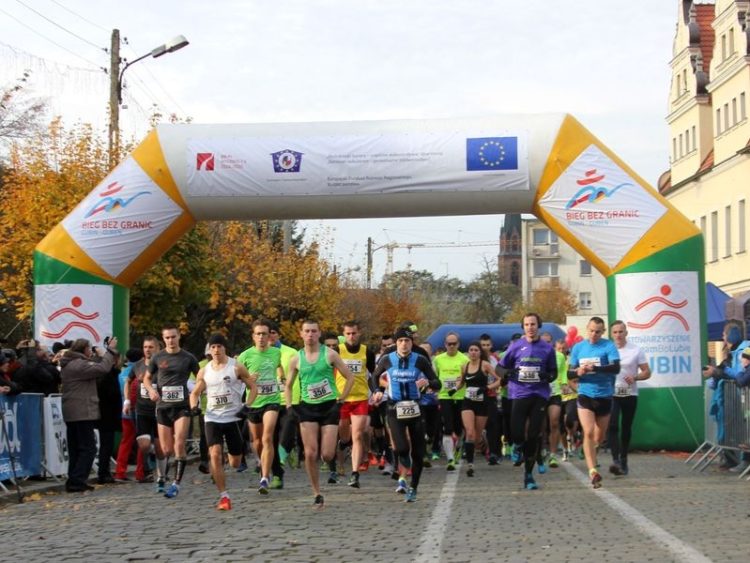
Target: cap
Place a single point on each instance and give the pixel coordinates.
(404, 333)
(411, 325)
(3, 359)
(217, 338)
(746, 353)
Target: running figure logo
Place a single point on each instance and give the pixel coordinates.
(590, 192)
(108, 203)
(665, 291)
(80, 320)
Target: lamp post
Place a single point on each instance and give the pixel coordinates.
(115, 83)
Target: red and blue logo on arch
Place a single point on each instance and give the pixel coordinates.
(590, 192)
(109, 203)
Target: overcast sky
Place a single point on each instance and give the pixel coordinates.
(607, 63)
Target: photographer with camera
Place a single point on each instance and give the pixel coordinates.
(80, 406)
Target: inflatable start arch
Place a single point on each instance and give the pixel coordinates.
(548, 165)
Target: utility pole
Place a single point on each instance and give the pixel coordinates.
(114, 101)
(369, 263)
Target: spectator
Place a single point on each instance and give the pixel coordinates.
(37, 374)
(7, 385)
(80, 405)
(110, 408)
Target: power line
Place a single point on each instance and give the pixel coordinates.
(80, 16)
(55, 43)
(61, 27)
(18, 51)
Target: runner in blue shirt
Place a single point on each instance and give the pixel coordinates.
(594, 362)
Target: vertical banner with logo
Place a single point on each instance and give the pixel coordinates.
(70, 311)
(55, 436)
(661, 311)
(20, 436)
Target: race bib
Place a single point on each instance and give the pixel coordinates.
(474, 394)
(143, 392)
(173, 393)
(450, 384)
(355, 366)
(267, 388)
(219, 401)
(528, 374)
(320, 390)
(622, 390)
(596, 362)
(407, 409)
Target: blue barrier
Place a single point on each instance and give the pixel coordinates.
(21, 435)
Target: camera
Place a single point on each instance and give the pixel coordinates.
(106, 340)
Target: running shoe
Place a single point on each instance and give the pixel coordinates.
(283, 455)
(318, 503)
(411, 495)
(263, 486)
(470, 471)
(553, 463)
(516, 456)
(541, 466)
(381, 463)
(373, 459)
(493, 460)
(451, 466)
(333, 478)
(172, 491)
(160, 485)
(277, 482)
(565, 456)
(624, 466)
(596, 478)
(528, 482)
(401, 489)
(257, 468)
(224, 504)
(615, 468)
(203, 468)
(242, 467)
(426, 462)
(435, 456)
(387, 469)
(354, 481)
(364, 466)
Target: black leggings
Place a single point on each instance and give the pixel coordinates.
(450, 413)
(533, 409)
(398, 429)
(432, 425)
(619, 444)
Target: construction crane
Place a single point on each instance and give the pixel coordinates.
(391, 246)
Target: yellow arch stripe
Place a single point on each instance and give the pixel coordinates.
(572, 140)
(149, 155)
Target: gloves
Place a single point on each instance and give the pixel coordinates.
(451, 392)
(195, 411)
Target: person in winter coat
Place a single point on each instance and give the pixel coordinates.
(80, 406)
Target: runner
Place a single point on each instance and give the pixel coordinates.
(479, 377)
(594, 362)
(224, 380)
(354, 419)
(145, 414)
(633, 368)
(171, 369)
(448, 367)
(318, 409)
(569, 397)
(263, 362)
(494, 407)
(403, 375)
(531, 365)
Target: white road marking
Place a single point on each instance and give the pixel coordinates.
(432, 538)
(678, 548)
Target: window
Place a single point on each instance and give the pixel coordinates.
(584, 300)
(741, 226)
(585, 267)
(718, 121)
(545, 268)
(695, 145)
(674, 148)
(743, 113)
(726, 116)
(714, 236)
(544, 237)
(734, 111)
(731, 42)
(727, 231)
(723, 47)
(705, 235)
(681, 145)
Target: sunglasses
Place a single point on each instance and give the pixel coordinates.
(451, 343)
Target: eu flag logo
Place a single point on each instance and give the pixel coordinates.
(492, 153)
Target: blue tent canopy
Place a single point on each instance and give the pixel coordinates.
(716, 318)
(500, 333)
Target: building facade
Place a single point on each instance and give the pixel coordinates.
(709, 175)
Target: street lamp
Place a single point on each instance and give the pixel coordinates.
(170, 46)
(115, 83)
